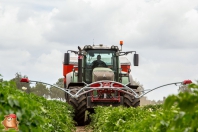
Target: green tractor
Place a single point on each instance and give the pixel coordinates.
(100, 75)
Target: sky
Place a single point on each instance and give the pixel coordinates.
(35, 34)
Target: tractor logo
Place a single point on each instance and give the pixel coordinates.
(10, 121)
(106, 84)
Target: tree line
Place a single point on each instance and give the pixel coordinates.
(41, 89)
(49, 92)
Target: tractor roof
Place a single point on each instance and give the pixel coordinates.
(100, 46)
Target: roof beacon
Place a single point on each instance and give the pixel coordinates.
(121, 43)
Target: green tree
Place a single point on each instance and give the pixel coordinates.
(19, 84)
(1, 79)
(60, 83)
(40, 90)
(56, 93)
(184, 88)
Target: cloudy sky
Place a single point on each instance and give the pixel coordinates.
(35, 34)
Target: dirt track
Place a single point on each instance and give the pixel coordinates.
(82, 129)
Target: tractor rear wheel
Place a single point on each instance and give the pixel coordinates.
(79, 104)
(131, 101)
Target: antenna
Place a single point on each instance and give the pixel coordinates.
(93, 42)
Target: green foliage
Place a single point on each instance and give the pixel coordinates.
(34, 113)
(124, 119)
(19, 84)
(57, 93)
(186, 117)
(40, 89)
(178, 114)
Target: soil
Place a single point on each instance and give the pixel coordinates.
(82, 129)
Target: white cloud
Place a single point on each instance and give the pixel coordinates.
(34, 36)
(47, 67)
(13, 61)
(159, 67)
(48, 62)
(14, 34)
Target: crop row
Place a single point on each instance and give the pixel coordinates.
(34, 113)
(179, 113)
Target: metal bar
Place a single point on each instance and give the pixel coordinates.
(157, 88)
(67, 91)
(124, 89)
(105, 100)
(118, 89)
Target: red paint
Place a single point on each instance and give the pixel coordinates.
(187, 82)
(76, 68)
(67, 69)
(95, 85)
(25, 80)
(80, 57)
(64, 79)
(117, 85)
(125, 68)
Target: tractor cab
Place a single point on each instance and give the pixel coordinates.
(96, 63)
(100, 64)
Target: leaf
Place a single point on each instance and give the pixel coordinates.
(16, 102)
(170, 101)
(10, 101)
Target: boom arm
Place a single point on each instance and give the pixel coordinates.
(89, 88)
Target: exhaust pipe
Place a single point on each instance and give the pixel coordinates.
(80, 57)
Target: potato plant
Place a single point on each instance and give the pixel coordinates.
(34, 113)
(179, 113)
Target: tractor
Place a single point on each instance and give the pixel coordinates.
(100, 75)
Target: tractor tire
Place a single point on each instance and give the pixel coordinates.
(79, 104)
(130, 101)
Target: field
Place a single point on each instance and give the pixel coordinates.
(179, 113)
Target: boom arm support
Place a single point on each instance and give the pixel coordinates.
(88, 88)
(126, 53)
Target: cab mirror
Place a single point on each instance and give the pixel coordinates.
(66, 59)
(136, 59)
